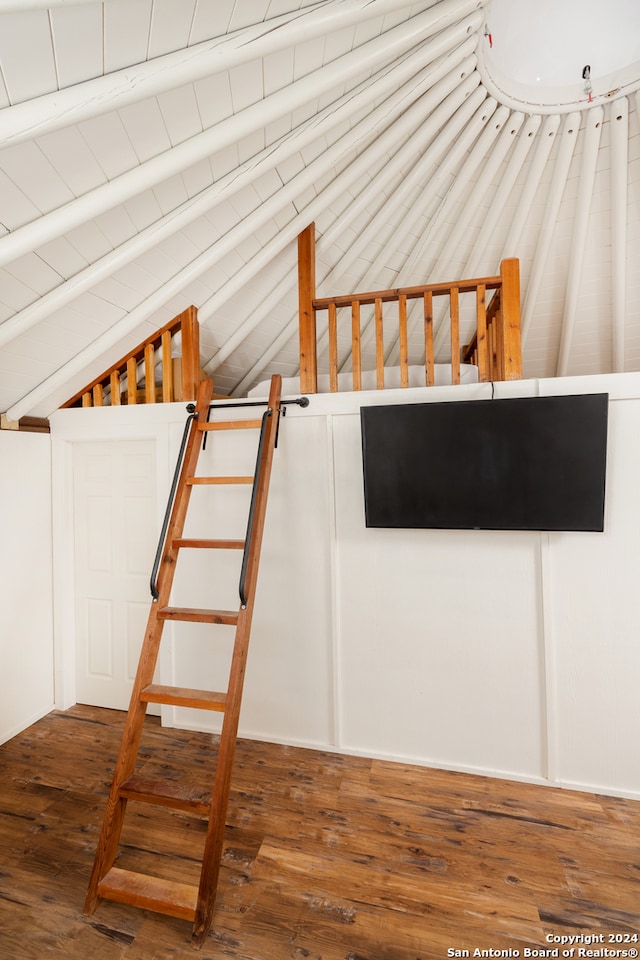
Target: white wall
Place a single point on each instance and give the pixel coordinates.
(512, 654)
(26, 622)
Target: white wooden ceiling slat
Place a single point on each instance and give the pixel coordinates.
(145, 128)
(62, 257)
(14, 293)
(244, 14)
(117, 226)
(250, 146)
(247, 85)
(277, 70)
(181, 250)
(78, 42)
(116, 293)
(308, 57)
(4, 96)
(34, 350)
(170, 194)
(16, 208)
(224, 161)
(26, 55)
(197, 177)
(137, 279)
(179, 109)
(158, 263)
(214, 98)
(90, 241)
(67, 151)
(277, 7)
(223, 217)
(170, 26)
(211, 19)
(35, 273)
(202, 232)
(340, 42)
(29, 169)
(110, 144)
(126, 33)
(143, 209)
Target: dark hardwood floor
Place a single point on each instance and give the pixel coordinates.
(326, 857)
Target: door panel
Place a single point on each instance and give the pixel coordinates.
(115, 534)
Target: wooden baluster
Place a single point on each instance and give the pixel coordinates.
(190, 354)
(132, 380)
(167, 368)
(499, 342)
(307, 315)
(379, 346)
(511, 350)
(149, 374)
(404, 344)
(333, 348)
(356, 359)
(114, 380)
(86, 399)
(429, 364)
(454, 309)
(481, 353)
(97, 395)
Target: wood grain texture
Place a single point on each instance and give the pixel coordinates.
(325, 857)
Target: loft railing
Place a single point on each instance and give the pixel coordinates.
(494, 346)
(149, 373)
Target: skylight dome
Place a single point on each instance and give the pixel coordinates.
(557, 55)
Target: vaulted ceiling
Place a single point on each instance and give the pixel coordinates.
(158, 153)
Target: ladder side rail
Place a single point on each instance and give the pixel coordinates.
(109, 839)
(153, 583)
(226, 751)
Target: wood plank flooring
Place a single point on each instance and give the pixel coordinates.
(326, 857)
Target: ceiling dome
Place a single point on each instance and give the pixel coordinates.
(536, 54)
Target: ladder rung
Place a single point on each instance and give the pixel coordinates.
(198, 615)
(151, 893)
(231, 425)
(165, 793)
(184, 697)
(210, 544)
(192, 481)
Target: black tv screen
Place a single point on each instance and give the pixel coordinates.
(536, 463)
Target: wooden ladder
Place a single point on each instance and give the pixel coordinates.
(109, 882)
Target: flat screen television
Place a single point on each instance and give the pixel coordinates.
(536, 463)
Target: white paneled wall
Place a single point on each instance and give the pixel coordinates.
(26, 614)
(506, 653)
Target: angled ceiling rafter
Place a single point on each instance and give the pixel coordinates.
(590, 146)
(567, 140)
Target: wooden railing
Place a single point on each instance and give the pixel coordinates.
(494, 347)
(165, 379)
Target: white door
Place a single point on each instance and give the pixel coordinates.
(115, 531)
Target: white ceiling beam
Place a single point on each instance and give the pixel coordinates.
(377, 87)
(381, 49)
(115, 90)
(619, 132)
(545, 140)
(566, 146)
(590, 146)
